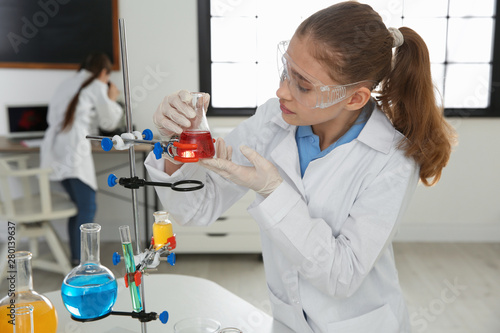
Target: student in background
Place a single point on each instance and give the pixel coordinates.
(81, 105)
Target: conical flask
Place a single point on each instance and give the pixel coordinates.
(89, 291)
(198, 133)
(21, 295)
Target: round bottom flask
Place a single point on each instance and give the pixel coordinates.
(89, 291)
(21, 295)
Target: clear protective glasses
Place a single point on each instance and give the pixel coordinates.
(305, 88)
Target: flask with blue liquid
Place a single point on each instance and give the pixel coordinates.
(89, 291)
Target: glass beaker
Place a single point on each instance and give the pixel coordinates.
(198, 133)
(162, 231)
(21, 294)
(24, 320)
(128, 255)
(197, 325)
(89, 291)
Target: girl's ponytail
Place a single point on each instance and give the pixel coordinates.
(95, 63)
(69, 117)
(407, 97)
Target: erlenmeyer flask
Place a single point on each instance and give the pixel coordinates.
(89, 291)
(198, 133)
(21, 294)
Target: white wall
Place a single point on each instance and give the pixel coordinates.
(162, 38)
(465, 204)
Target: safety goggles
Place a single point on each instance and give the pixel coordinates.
(305, 88)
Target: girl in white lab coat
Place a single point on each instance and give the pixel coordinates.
(81, 105)
(333, 168)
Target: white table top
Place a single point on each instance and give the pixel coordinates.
(183, 297)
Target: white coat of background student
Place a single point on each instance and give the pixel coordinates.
(80, 106)
(333, 172)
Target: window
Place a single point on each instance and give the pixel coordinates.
(238, 39)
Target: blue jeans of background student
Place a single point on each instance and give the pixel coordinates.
(84, 198)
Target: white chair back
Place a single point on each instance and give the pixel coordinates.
(36, 200)
(26, 200)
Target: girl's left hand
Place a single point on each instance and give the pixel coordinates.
(113, 91)
(263, 177)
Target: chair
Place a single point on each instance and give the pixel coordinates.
(32, 212)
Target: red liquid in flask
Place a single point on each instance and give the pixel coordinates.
(204, 141)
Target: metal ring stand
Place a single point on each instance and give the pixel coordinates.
(131, 155)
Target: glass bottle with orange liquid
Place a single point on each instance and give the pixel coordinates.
(21, 294)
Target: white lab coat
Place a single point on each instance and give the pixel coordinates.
(69, 153)
(326, 237)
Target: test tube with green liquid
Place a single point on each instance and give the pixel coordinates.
(128, 255)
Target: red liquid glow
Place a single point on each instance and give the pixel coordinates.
(204, 141)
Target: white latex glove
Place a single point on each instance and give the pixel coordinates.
(221, 151)
(175, 113)
(263, 177)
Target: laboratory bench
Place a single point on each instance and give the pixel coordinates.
(182, 297)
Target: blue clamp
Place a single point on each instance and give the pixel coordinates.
(158, 150)
(171, 259)
(107, 144)
(112, 180)
(147, 134)
(116, 258)
(164, 317)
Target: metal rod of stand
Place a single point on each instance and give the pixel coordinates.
(131, 151)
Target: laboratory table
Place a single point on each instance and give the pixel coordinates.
(15, 146)
(183, 297)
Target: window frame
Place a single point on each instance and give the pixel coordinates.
(205, 72)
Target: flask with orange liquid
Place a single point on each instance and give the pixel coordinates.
(21, 294)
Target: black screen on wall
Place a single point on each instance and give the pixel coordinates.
(56, 33)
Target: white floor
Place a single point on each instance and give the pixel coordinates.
(449, 287)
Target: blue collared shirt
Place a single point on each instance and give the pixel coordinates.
(308, 142)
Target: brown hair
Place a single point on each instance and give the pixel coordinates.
(351, 40)
(94, 63)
